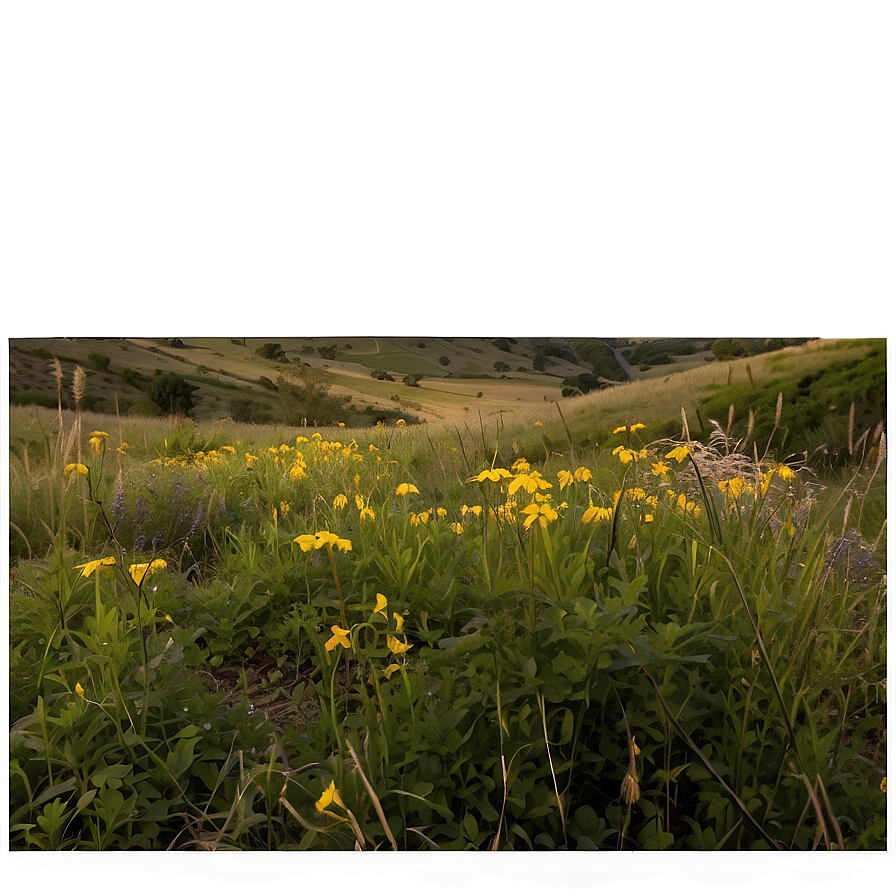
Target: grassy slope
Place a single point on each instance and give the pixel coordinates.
(658, 402)
(524, 397)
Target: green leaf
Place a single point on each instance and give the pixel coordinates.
(85, 800)
(102, 776)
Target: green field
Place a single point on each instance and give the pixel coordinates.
(652, 617)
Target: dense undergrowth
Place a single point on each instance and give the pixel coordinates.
(417, 638)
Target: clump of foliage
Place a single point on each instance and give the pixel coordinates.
(172, 393)
(824, 413)
(306, 400)
(248, 410)
(99, 360)
(272, 351)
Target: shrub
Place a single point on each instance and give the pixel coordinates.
(100, 361)
(172, 393)
(271, 351)
(248, 410)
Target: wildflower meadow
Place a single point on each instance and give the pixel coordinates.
(422, 637)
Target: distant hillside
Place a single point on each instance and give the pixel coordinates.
(355, 380)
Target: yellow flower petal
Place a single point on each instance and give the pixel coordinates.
(381, 604)
(329, 796)
(340, 638)
(679, 453)
(397, 647)
(139, 571)
(94, 565)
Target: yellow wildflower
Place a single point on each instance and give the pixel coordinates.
(284, 508)
(521, 465)
(406, 488)
(686, 506)
(339, 501)
(476, 509)
(582, 474)
(679, 453)
(329, 796)
(528, 481)
(340, 638)
(98, 441)
(493, 475)
(458, 528)
(306, 542)
(381, 604)
(399, 622)
(90, 568)
(324, 538)
(401, 422)
(565, 477)
(542, 513)
(80, 469)
(80, 692)
(397, 647)
(597, 514)
(785, 472)
(139, 571)
(731, 488)
(660, 469)
(367, 514)
(390, 669)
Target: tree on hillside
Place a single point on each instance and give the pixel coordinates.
(172, 393)
(306, 399)
(271, 351)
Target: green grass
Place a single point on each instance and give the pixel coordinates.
(394, 362)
